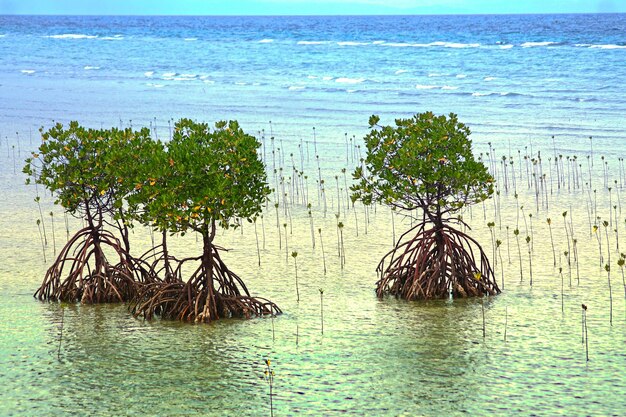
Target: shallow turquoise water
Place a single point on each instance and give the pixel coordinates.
(376, 357)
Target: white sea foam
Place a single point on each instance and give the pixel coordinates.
(72, 36)
(169, 74)
(350, 91)
(312, 42)
(113, 38)
(148, 73)
(459, 45)
(296, 87)
(346, 80)
(208, 81)
(489, 78)
(531, 44)
(90, 67)
(312, 77)
(155, 85)
(241, 83)
(506, 46)
(608, 46)
(351, 43)
(401, 72)
(461, 76)
(25, 71)
(425, 87)
(449, 87)
(378, 42)
(477, 94)
(436, 74)
(2, 35)
(398, 44)
(266, 41)
(327, 78)
(190, 39)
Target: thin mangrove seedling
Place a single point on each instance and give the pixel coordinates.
(566, 234)
(498, 244)
(294, 255)
(319, 230)
(530, 259)
(43, 247)
(586, 336)
(286, 244)
(620, 263)
(506, 320)
(269, 378)
(549, 220)
(519, 254)
(562, 296)
(322, 308)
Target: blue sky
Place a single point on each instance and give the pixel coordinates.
(306, 7)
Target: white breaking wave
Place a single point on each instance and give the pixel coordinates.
(190, 39)
(449, 87)
(327, 78)
(426, 87)
(398, 44)
(266, 41)
(351, 43)
(312, 42)
(155, 85)
(89, 67)
(506, 46)
(436, 74)
(72, 36)
(169, 74)
(401, 72)
(24, 71)
(489, 78)
(346, 80)
(296, 87)
(113, 38)
(148, 73)
(312, 77)
(531, 44)
(461, 76)
(608, 46)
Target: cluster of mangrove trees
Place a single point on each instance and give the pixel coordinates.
(113, 179)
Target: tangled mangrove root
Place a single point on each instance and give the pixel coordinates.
(212, 292)
(435, 263)
(82, 273)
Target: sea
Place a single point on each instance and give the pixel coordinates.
(545, 93)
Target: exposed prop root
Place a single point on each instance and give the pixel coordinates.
(435, 263)
(212, 292)
(82, 273)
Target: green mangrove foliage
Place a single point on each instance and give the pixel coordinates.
(210, 178)
(74, 163)
(113, 179)
(425, 164)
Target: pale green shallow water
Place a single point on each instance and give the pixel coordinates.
(376, 357)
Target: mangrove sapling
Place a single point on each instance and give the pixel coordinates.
(498, 244)
(608, 245)
(519, 255)
(286, 244)
(530, 259)
(620, 263)
(294, 255)
(43, 246)
(218, 177)
(566, 234)
(549, 220)
(426, 162)
(342, 250)
(322, 247)
(586, 337)
(322, 309)
(508, 246)
(575, 242)
(506, 320)
(269, 378)
(311, 225)
(607, 268)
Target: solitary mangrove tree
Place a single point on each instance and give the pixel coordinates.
(424, 166)
(208, 178)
